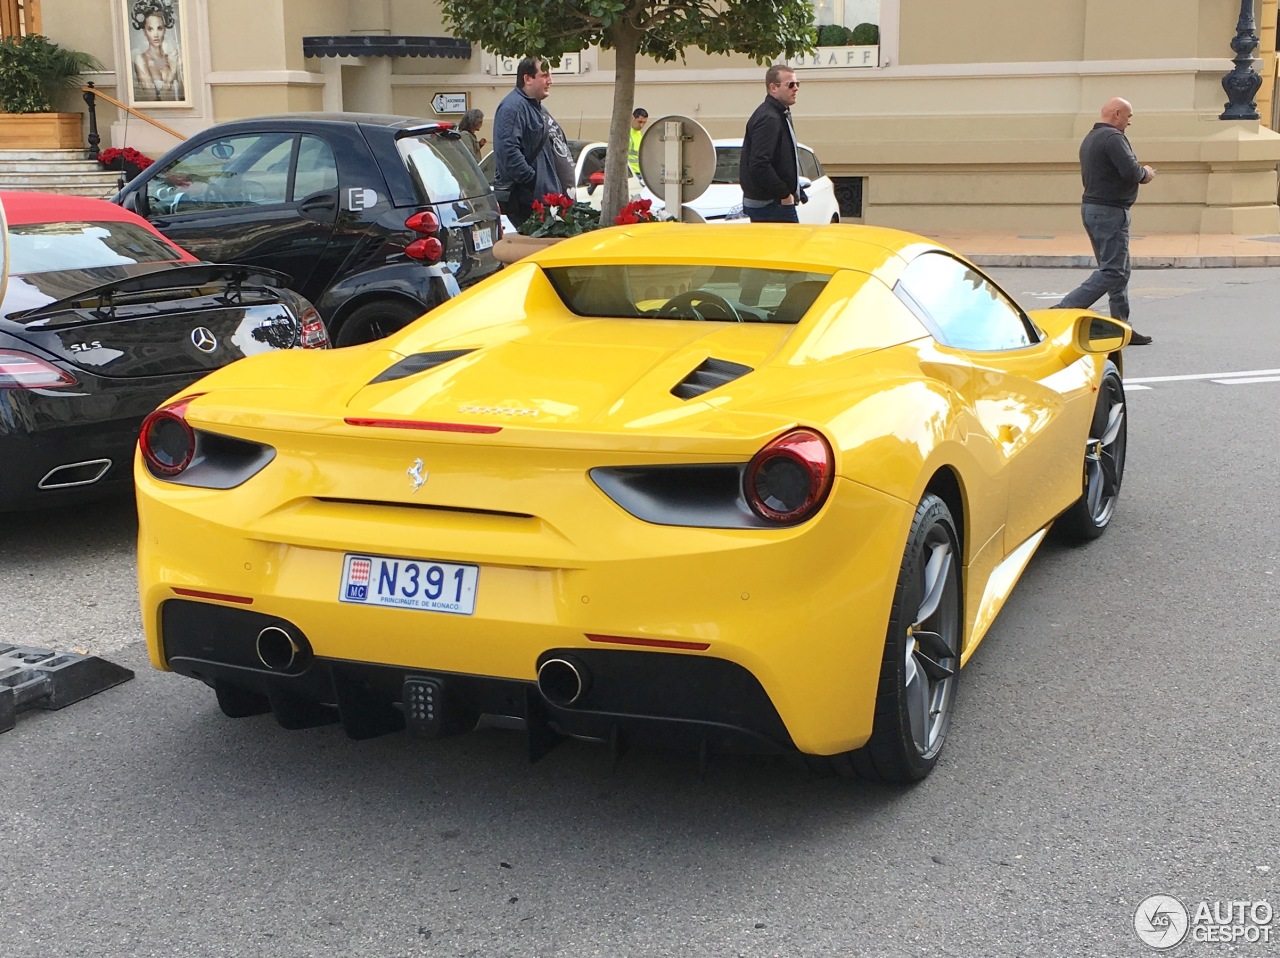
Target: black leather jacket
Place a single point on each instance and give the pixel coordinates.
(767, 169)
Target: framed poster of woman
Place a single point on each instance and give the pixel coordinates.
(157, 42)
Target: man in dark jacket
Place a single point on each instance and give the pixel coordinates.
(769, 169)
(524, 142)
(1111, 175)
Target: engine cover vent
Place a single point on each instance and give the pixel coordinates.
(711, 374)
(417, 363)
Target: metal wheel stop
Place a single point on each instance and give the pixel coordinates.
(45, 679)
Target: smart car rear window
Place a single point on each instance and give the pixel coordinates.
(441, 168)
(47, 247)
(688, 291)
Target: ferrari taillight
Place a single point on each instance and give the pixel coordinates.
(19, 370)
(314, 335)
(167, 441)
(788, 480)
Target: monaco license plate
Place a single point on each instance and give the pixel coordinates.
(482, 236)
(409, 584)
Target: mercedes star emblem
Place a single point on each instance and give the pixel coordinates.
(203, 339)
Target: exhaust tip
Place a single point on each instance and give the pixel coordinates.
(277, 649)
(73, 474)
(563, 681)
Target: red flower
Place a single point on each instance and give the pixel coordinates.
(538, 207)
(637, 211)
(128, 155)
(557, 199)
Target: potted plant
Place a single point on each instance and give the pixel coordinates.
(33, 69)
(128, 161)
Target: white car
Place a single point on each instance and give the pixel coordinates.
(722, 202)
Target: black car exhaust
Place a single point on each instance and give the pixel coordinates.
(563, 680)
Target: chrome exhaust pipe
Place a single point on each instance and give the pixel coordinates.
(277, 649)
(73, 474)
(563, 680)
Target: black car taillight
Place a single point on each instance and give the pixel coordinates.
(788, 480)
(19, 370)
(425, 222)
(313, 333)
(427, 248)
(167, 441)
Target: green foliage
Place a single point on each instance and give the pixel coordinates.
(865, 35)
(834, 35)
(763, 29)
(33, 69)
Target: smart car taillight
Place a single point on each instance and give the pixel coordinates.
(788, 480)
(167, 441)
(425, 222)
(19, 370)
(314, 335)
(428, 250)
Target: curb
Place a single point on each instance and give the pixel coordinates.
(1139, 262)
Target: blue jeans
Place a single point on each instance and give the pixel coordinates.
(775, 212)
(1108, 229)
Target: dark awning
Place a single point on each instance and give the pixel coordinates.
(380, 45)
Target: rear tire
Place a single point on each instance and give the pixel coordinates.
(1104, 455)
(921, 661)
(373, 321)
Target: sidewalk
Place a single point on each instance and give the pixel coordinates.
(1072, 249)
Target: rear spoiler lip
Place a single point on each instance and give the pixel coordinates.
(196, 274)
(443, 127)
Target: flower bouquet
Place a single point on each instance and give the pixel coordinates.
(555, 215)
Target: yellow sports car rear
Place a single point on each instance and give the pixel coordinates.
(659, 484)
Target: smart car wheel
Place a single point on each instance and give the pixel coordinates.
(921, 654)
(1104, 453)
(376, 320)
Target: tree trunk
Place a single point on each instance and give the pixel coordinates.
(627, 43)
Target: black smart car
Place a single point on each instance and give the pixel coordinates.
(376, 219)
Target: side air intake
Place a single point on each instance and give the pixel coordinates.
(417, 363)
(712, 373)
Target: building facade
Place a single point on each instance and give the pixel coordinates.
(946, 116)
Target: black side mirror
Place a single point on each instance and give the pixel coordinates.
(136, 202)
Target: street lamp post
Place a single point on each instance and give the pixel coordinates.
(1243, 82)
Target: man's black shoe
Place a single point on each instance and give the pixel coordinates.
(1137, 339)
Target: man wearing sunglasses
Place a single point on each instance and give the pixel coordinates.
(769, 169)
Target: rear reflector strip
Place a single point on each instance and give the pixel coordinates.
(219, 596)
(420, 424)
(649, 643)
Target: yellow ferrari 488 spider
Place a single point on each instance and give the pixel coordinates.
(762, 488)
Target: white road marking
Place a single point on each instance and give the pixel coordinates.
(1238, 375)
(1130, 389)
(1247, 380)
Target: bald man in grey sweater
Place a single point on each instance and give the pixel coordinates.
(1111, 174)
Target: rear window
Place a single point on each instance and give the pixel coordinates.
(728, 160)
(47, 247)
(684, 291)
(442, 169)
